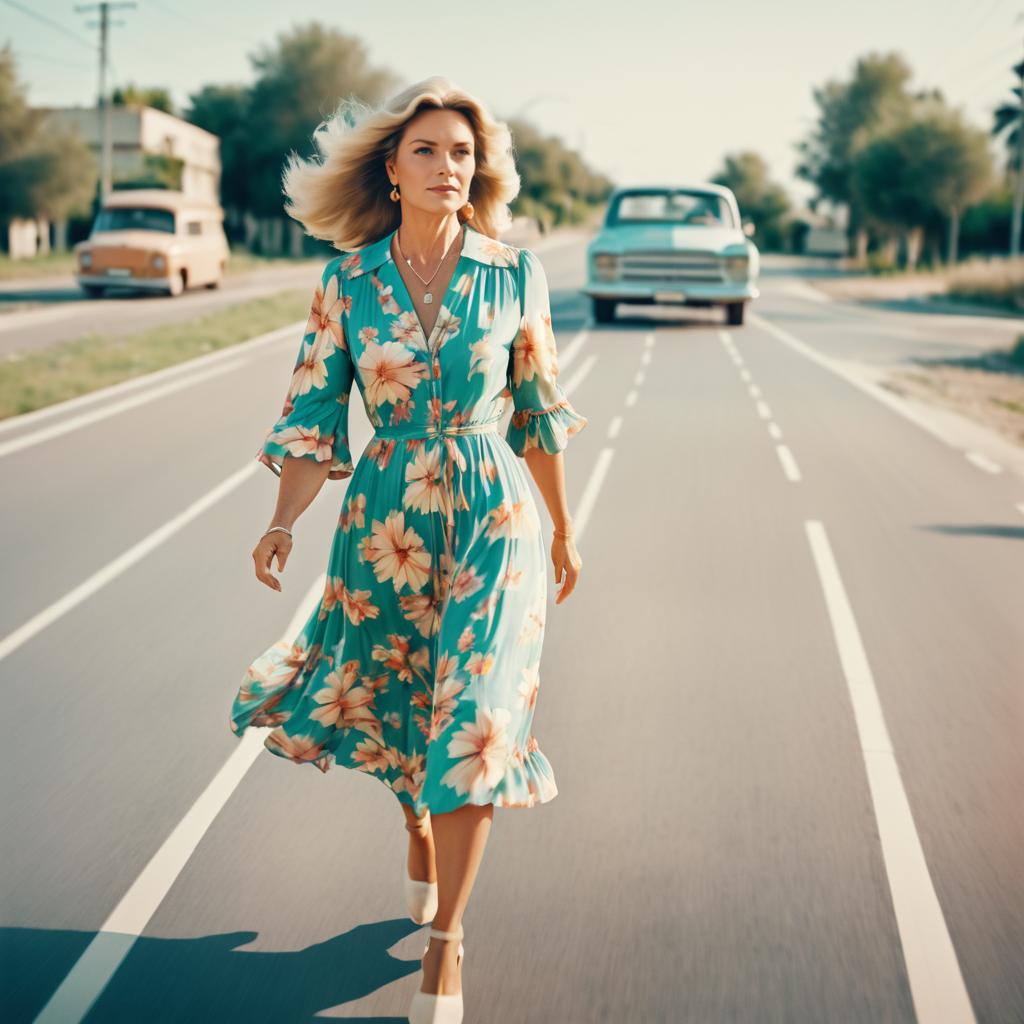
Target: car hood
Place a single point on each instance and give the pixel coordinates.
(151, 241)
(655, 237)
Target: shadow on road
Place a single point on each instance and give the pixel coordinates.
(210, 978)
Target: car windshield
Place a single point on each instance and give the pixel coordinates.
(674, 207)
(134, 218)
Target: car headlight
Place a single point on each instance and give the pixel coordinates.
(606, 264)
(736, 265)
(85, 259)
(159, 262)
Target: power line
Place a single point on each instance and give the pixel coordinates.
(50, 59)
(56, 25)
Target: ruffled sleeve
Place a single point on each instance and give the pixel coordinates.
(542, 416)
(314, 421)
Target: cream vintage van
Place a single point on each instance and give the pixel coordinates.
(153, 240)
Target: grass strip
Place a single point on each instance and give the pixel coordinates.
(32, 380)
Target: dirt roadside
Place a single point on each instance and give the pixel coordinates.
(988, 389)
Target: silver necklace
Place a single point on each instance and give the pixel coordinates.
(428, 296)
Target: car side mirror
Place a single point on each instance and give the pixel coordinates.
(748, 228)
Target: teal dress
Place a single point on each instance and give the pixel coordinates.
(420, 666)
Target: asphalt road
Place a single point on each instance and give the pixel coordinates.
(783, 707)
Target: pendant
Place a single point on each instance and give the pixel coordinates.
(428, 298)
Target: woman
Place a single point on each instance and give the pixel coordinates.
(420, 665)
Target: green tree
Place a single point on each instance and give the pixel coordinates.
(557, 186)
(849, 113)
(1007, 122)
(131, 95)
(46, 171)
(760, 199)
(300, 81)
(921, 173)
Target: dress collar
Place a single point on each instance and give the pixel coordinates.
(475, 245)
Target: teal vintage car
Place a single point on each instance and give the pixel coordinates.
(673, 245)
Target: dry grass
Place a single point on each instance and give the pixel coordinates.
(989, 391)
(994, 282)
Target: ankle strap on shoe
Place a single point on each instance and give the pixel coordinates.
(438, 934)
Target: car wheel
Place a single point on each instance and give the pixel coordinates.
(93, 291)
(734, 312)
(177, 285)
(604, 310)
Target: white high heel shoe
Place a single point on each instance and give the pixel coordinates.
(420, 896)
(432, 1007)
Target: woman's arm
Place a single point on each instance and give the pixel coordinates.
(300, 483)
(548, 471)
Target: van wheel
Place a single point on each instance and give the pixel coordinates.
(734, 312)
(177, 283)
(604, 310)
(216, 283)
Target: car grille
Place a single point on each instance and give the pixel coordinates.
(670, 266)
(138, 261)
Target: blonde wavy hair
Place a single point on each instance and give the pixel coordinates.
(341, 196)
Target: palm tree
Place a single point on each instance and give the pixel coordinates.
(1009, 120)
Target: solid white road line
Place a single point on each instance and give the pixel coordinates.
(591, 490)
(568, 354)
(936, 983)
(806, 291)
(122, 563)
(93, 970)
(898, 405)
(983, 462)
(148, 379)
(789, 465)
(85, 419)
(581, 374)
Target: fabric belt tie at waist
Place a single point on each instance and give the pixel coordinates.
(450, 457)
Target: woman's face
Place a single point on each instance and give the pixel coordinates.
(436, 150)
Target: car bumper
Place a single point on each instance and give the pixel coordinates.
(668, 292)
(151, 283)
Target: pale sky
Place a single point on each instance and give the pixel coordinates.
(647, 92)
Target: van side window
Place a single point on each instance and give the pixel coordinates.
(194, 227)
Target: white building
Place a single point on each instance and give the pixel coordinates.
(137, 131)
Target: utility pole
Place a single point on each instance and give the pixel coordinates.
(106, 140)
(1018, 195)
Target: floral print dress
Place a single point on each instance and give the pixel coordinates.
(421, 663)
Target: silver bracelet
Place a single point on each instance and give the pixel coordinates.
(283, 529)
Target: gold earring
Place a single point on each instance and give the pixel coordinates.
(468, 211)
(395, 196)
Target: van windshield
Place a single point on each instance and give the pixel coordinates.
(657, 206)
(131, 218)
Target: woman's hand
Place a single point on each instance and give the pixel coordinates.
(271, 544)
(565, 558)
